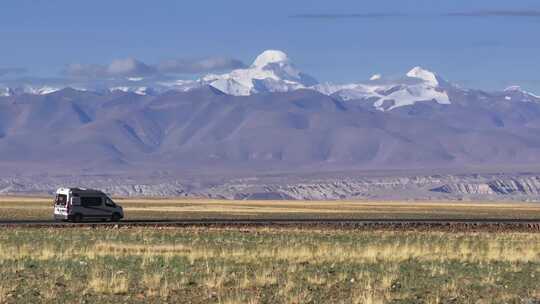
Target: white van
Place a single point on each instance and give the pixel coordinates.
(76, 204)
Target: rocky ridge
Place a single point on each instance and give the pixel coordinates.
(429, 187)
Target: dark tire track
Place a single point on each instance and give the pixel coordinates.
(496, 225)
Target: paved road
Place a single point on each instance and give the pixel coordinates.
(280, 221)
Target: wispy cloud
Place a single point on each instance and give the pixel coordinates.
(530, 13)
(128, 67)
(196, 66)
(131, 67)
(496, 13)
(346, 16)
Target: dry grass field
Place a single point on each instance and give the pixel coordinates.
(266, 265)
(41, 208)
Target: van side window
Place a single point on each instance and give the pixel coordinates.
(91, 201)
(109, 202)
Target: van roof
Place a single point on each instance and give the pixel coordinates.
(79, 190)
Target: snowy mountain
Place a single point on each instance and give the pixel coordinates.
(28, 89)
(428, 77)
(5, 92)
(517, 94)
(274, 71)
(418, 85)
(137, 90)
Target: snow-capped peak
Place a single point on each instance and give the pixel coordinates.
(375, 77)
(513, 88)
(37, 90)
(5, 92)
(137, 90)
(426, 75)
(272, 71)
(525, 95)
(135, 79)
(270, 56)
(390, 94)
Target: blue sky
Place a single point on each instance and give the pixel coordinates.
(483, 44)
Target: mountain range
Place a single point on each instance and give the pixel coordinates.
(268, 117)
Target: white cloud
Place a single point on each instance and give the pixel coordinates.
(131, 67)
(128, 67)
(205, 65)
(85, 70)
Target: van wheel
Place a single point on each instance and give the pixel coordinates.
(115, 217)
(77, 218)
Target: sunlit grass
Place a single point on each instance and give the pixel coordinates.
(267, 266)
(137, 208)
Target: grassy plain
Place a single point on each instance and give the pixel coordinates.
(266, 265)
(41, 208)
(269, 265)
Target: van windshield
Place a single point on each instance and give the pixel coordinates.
(60, 199)
(109, 202)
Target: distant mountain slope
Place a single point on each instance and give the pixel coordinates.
(206, 130)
